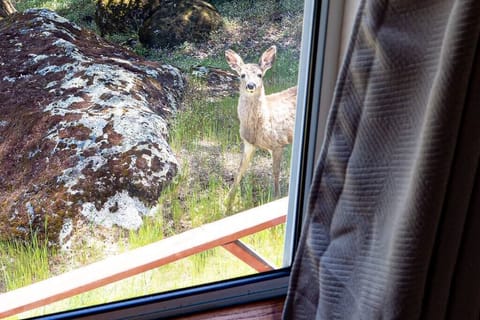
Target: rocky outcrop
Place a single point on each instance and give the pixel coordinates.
(83, 129)
(122, 16)
(174, 22)
(217, 82)
(159, 23)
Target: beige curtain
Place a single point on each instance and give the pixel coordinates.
(393, 225)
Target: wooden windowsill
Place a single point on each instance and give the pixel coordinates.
(263, 310)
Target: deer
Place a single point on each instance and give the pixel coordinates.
(266, 121)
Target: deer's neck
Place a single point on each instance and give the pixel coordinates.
(250, 103)
(251, 113)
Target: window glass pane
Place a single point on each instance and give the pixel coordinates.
(139, 139)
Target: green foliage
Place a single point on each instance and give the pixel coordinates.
(284, 72)
(22, 264)
(269, 244)
(213, 265)
(258, 10)
(80, 12)
(150, 231)
(206, 120)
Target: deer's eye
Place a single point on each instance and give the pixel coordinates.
(242, 76)
(259, 75)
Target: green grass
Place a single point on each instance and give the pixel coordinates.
(74, 10)
(258, 10)
(202, 132)
(205, 120)
(213, 265)
(209, 266)
(22, 264)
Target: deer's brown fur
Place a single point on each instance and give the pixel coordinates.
(266, 121)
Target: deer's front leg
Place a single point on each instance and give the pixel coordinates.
(277, 154)
(248, 152)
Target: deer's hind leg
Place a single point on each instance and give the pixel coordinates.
(277, 154)
(248, 152)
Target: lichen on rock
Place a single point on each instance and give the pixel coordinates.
(83, 129)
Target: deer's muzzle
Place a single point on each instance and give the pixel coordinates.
(250, 87)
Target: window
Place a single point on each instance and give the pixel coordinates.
(319, 61)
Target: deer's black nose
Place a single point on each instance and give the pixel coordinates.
(251, 86)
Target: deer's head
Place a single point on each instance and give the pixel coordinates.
(251, 74)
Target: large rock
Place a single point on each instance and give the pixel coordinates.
(217, 82)
(122, 16)
(174, 22)
(83, 129)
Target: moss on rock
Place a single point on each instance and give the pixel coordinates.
(174, 22)
(83, 127)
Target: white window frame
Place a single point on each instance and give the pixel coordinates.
(325, 30)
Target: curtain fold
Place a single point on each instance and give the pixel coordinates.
(393, 217)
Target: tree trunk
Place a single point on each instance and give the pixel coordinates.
(6, 8)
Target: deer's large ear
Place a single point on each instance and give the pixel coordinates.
(234, 60)
(268, 58)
